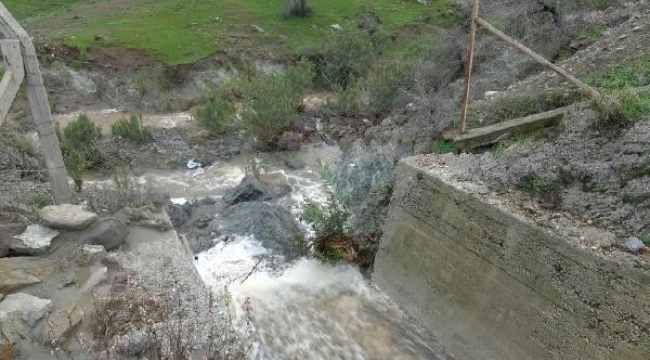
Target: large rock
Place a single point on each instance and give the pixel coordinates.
(68, 217)
(36, 240)
(20, 313)
(7, 232)
(61, 324)
(18, 272)
(274, 226)
(250, 189)
(109, 233)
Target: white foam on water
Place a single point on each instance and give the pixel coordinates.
(230, 261)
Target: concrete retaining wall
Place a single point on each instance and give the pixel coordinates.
(493, 286)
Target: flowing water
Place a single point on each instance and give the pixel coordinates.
(304, 309)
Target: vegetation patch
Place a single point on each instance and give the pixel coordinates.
(78, 145)
(273, 102)
(131, 128)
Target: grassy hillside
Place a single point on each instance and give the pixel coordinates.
(182, 31)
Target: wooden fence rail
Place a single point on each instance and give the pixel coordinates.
(39, 106)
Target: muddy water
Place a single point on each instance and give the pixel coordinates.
(306, 310)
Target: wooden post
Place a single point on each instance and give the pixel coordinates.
(39, 107)
(468, 66)
(589, 91)
(13, 76)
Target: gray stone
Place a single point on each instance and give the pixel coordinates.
(634, 245)
(96, 278)
(387, 122)
(109, 233)
(68, 217)
(61, 324)
(273, 225)
(20, 313)
(131, 344)
(250, 189)
(36, 240)
(19, 272)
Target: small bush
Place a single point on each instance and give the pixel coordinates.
(78, 145)
(274, 101)
(348, 56)
(330, 222)
(217, 116)
(621, 108)
(444, 147)
(297, 8)
(131, 128)
(384, 84)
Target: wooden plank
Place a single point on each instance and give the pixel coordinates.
(13, 76)
(586, 89)
(39, 107)
(469, 66)
(489, 135)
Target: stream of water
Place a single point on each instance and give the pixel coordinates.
(304, 309)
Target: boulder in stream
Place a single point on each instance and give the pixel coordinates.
(36, 240)
(20, 313)
(67, 217)
(273, 225)
(109, 233)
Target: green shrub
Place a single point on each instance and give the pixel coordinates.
(330, 223)
(348, 101)
(535, 185)
(348, 56)
(274, 101)
(297, 8)
(78, 145)
(384, 83)
(621, 108)
(216, 116)
(131, 128)
(444, 147)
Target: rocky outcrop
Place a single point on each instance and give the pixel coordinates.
(250, 189)
(67, 217)
(36, 240)
(109, 233)
(19, 315)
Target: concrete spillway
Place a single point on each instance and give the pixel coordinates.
(492, 285)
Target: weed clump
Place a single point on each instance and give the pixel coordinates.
(621, 108)
(78, 145)
(131, 128)
(348, 56)
(217, 116)
(274, 101)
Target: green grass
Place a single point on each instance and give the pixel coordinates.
(184, 31)
(33, 10)
(621, 77)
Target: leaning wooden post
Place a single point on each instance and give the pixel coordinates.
(468, 66)
(589, 91)
(13, 77)
(39, 107)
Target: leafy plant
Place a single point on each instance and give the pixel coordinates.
(217, 116)
(537, 185)
(384, 83)
(131, 128)
(78, 145)
(348, 56)
(274, 101)
(330, 223)
(444, 147)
